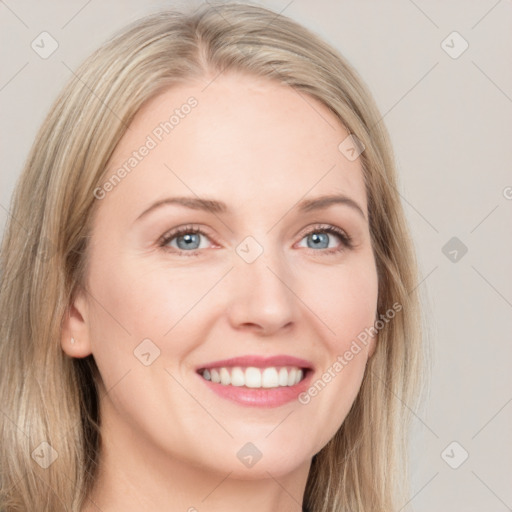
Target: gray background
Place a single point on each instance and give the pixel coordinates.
(451, 127)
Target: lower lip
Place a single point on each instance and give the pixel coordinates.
(260, 397)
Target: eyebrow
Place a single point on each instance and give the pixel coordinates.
(213, 206)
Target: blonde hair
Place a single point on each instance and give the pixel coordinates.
(50, 397)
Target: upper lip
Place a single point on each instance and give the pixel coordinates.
(259, 362)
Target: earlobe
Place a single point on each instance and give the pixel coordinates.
(75, 340)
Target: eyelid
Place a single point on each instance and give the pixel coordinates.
(322, 226)
(346, 239)
(175, 232)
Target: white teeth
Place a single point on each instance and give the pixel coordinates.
(214, 375)
(291, 376)
(283, 377)
(252, 377)
(225, 377)
(237, 377)
(269, 378)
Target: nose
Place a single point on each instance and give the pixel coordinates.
(263, 298)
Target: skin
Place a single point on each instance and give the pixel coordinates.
(168, 439)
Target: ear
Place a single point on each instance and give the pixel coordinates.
(75, 337)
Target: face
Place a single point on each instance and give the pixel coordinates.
(258, 272)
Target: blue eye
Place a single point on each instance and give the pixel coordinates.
(188, 240)
(320, 238)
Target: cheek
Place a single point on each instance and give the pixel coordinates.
(133, 302)
(136, 299)
(346, 302)
(349, 311)
(170, 298)
(344, 299)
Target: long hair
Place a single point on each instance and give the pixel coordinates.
(50, 424)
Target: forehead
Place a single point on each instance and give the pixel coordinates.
(242, 139)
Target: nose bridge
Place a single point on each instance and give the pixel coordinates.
(263, 284)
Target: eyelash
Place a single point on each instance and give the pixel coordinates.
(346, 240)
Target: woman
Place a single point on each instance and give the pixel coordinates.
(208, 287)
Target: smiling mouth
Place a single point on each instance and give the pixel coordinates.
(252, 377)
